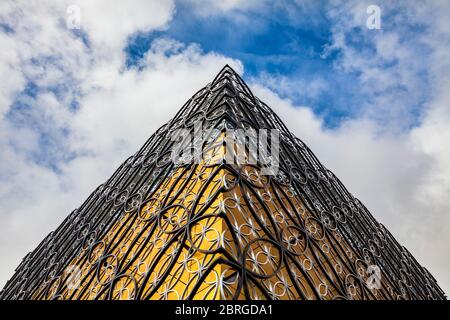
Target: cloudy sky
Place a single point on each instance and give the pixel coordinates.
(373, 104)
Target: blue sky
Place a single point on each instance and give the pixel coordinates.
(265, 42)
(290, 41)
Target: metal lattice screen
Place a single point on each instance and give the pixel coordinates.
(218, 230)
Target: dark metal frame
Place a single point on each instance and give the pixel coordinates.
(316, 240)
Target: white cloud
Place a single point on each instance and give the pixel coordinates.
(286, 86)
(208, 8)
(110, 23)
(392, 63)
(116, 119)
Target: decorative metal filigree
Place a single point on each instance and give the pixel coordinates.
(214, 230)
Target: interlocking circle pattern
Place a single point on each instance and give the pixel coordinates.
(213, 230)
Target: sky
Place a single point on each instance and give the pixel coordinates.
(372, 104)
